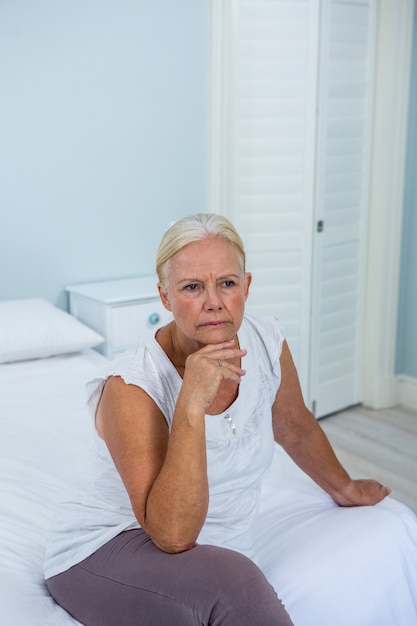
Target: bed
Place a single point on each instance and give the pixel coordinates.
(44, 433)
(44, 436)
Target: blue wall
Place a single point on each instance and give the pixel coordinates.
(103, 136)
(407, 316)
(104, 142)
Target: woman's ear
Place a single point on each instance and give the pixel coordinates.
(163, 294)
(248, 280)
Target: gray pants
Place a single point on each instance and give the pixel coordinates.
(130, 582)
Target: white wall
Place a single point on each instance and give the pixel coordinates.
(406, 354)
(392, 81)
(407, 314)
(103, 136)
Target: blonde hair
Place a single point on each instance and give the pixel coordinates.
(195, 228)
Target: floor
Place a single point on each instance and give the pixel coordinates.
(378, 444)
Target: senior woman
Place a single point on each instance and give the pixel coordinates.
(163, 529)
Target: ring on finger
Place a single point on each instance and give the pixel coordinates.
(220, 362)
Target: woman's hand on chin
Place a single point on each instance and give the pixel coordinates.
(207, 368)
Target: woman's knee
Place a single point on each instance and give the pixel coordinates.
(226, 567)
(241, 595)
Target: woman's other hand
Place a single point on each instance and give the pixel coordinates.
(361, 492)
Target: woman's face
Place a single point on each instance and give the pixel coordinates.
(207, 290)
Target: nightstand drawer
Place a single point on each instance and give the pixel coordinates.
(126, 312)
(135, 324)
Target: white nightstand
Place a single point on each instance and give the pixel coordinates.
(126, 312)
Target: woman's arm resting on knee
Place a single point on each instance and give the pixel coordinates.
(164, 474)
(298, 432)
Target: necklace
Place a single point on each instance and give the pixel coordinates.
(231, 423)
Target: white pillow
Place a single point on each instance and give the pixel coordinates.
(34, 329)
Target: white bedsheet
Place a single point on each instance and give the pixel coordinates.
(336, 566)
(44, 432)
(358, 564)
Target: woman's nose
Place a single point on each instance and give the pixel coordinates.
(213, 300)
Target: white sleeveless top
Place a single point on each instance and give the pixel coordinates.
(239, 451)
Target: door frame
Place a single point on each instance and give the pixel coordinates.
(391, 99)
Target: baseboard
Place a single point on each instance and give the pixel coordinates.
(407, 391)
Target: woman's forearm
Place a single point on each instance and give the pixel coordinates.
(312, 452)
(177, 504)
(298, 432)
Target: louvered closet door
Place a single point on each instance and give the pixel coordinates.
(344, 115)
(292, 112)
(273, 129)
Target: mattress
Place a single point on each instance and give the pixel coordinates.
(44, 433)
(330, 565)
